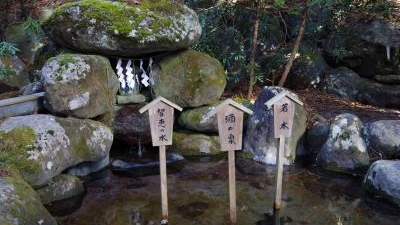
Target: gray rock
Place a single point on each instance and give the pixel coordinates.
(259, 144)
(383, 179)
(43, 146)
(317, 134)
(195, 144)
(116, 28)
(195, 119)
(61, 187)
(20, 204)
(307, 71)
(383, 138)
(32, 88)
(388, 79)
(130, 126)
(383, 33)
(86, 168)
(346, 84)
(189, 79)
(129, 99)
(342, 82)
(369, 48)
(345, 150)
(82, 86)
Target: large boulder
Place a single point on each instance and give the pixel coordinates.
(307, 71)
(196, 120)
(383, 138)
(259, 143)
(121, 28)
(40, 147)
(317, 133)
(367, 47)
(130, 126)
(383, 179)
(195, 144)
(189, 79)
(20, 204)
(346, 84)
(82, 86)
(345, 150)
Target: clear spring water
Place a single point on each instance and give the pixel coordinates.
(198, 195)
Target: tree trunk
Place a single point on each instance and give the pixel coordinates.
(253, 51)
(296, 46)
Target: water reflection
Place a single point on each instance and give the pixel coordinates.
(198, 195)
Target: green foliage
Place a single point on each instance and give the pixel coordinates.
(7, 48)
(279, 3)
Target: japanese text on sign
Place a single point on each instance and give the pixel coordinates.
(230, 126)
(161, 121)
(283, 117)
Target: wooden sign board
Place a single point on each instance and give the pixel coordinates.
(283, 117)
(230, 128)
(161, 118)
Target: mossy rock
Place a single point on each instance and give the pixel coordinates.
(189, 79)
(120, 28)
(195, 144)
(196, 120)
(16, 74)
(40, 147)
(82, 86)
(20, 204)
(61, 187)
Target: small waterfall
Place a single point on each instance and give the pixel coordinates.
(140, 150)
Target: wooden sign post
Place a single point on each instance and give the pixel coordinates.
(161, 116)
(283, 104)
(230, 129)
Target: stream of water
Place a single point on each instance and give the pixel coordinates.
(198, 195)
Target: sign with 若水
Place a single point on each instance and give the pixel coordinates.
(161, 116)
(283, 104)
(230, 129)
(283, 117)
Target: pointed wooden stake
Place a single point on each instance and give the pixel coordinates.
(163, 179)
(230, 129)
(279, 173)
(232, 186)
(161, 116)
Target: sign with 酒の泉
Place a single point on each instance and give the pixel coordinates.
(161, 116)
(230, 129)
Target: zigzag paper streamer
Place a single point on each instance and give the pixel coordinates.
(145, 80)
(151, 71)
(129, 76)
(120, 74)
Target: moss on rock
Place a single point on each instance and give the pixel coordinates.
(14, 150)
(195, 144)
(190, 79)
(121, 28)
(20, 204)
